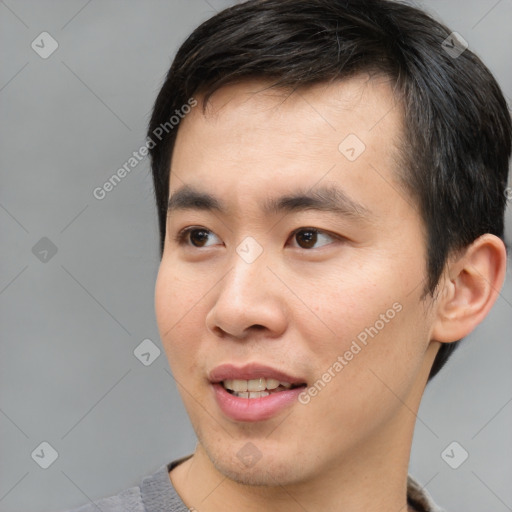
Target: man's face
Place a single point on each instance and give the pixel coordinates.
(308, 259)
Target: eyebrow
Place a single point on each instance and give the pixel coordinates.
(328, 199)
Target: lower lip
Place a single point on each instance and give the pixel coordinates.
(254, 409)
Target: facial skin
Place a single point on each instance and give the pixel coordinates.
(297, 308)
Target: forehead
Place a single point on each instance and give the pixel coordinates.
(254, 138)
(332, 102)
(319, 115)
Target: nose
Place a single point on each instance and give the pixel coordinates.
(249, 300)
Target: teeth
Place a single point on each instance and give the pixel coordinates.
(272, 383)
(252, 394)
(256, 385)
(253, 385)
(236, 385)
(258, 394)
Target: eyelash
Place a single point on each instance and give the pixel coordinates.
(181, 236)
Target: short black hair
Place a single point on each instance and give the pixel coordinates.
(457, 125)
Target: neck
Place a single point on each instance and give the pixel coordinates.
(372, 477)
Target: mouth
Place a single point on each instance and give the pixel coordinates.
(257, 388)
(254, 392)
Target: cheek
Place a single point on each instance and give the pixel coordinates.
(341, 308)
(370, 320)
(369, 381)
(177, 303)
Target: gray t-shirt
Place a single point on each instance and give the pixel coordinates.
(157, 494)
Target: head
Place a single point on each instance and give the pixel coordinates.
(288, 92)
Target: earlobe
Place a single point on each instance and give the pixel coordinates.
(470, 288)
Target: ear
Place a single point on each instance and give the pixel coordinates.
(470, 286)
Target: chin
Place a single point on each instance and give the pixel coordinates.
(263, 470)
(263, 475)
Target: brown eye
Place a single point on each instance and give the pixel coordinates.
(198, 237)
(308, 238)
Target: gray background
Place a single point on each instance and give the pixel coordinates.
(68, 374)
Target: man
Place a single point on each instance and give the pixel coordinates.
(330, 179)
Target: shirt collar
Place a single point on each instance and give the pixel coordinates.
(159, 495)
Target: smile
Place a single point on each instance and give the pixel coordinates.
(256, 388)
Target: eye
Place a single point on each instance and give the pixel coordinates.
(197, 237)
(308, 238)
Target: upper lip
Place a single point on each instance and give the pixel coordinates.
(251, 371)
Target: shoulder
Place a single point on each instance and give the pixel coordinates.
(155, 492)
(129, 500)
